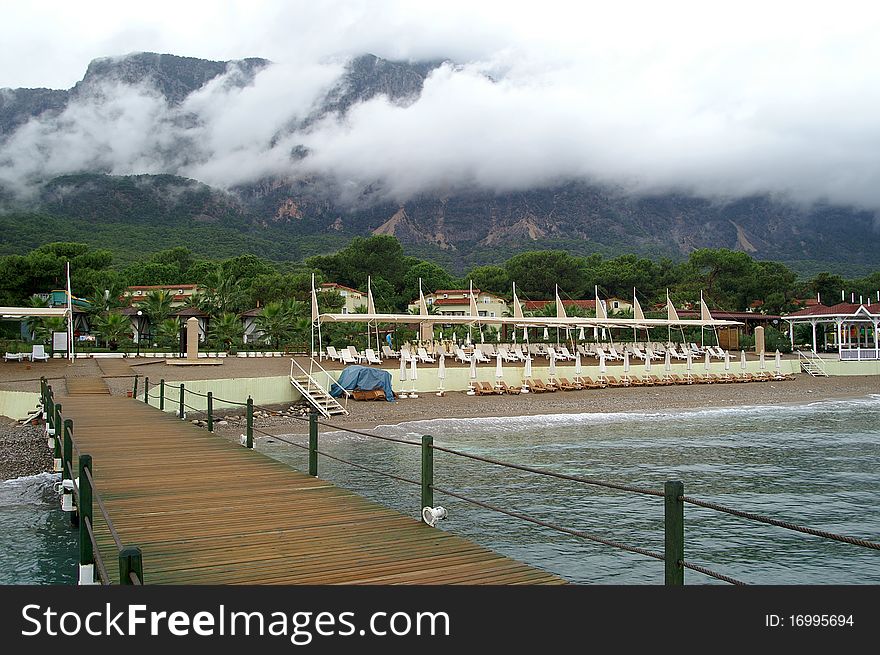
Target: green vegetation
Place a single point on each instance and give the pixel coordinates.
(729, 280)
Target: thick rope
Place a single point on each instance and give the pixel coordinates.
(782, 524)
(552, 526)
(712, 574)
(99, 561)
(97, 496)
(562, 476)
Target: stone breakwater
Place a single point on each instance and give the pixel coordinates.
(23, 451)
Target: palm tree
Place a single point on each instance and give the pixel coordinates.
(227, 330)
(223, 293)
(275, 322)
(157, 305)
(168, 332)
(113, 327)
(43, 328)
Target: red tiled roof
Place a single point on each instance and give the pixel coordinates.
(730, 316)
(455, 291)
(530, 305)
(840, 309)
(333, 285)
(452, 301)
(162, 286)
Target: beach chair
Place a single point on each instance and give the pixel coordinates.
(518, 352)
(333, 355)
(565, 385)
(390, 354)
(587, 382)
(481, 357)
(530, 384)
(614, 382)
(677, 379)
(357, 355)
(485, 389)
(638, 353)
(371, 356)
(423, 356)
(502, 387)
(462, 356)
(539, 386)
(637, 381)
(38, 353)
(347, 357)
(614, 354)
(506, 355)
(15, 357)
(660, 382)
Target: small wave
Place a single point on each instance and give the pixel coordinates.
(30, 479)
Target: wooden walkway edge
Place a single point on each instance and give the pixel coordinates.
(207, 511)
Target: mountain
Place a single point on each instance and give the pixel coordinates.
(289, 217)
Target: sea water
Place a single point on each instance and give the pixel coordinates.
(814, 464)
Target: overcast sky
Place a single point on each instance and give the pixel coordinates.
(720, 99)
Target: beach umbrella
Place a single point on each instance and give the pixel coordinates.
(546, 334)
(482, 339)
(473, 367)
(499, 369)
(402, 374)
(690, 362)
(706, 362)
(414, 375)
(778, 361)
(667, 363)
(528, 370)
(441, 372)
(603, 369)
(525, 334)
(742, 359)
(552, 371)
(647, 364)
(761, 358)
(577, 362)
(581, 335)
(727, 360)
(467, 341)
(626, 361)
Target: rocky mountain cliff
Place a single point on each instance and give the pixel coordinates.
(457, 227)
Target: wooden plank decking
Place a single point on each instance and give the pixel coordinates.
(207, 511)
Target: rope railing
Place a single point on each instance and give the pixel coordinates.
(107, 520)
(99, 561)
(855, 541)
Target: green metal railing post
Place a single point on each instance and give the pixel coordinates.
(57, 423)
(313, 443)
(86, 553)
(180, 411)
(131, 560)
(250, 422)
(210, 411)
(427, 472)
(162, 394)
(134, 393)
(674, 522)
(147, 390)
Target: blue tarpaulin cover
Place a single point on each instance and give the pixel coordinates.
(363, 378)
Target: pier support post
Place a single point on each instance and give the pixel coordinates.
(57, 422)
(162, 394)
(427, 472)
(313, 443)
(131, 560)
(147, 390)
(86, 553)
(67, 471)
(674, 523)
(250, 423)
(210, 411)
(180, 411)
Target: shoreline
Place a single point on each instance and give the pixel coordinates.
(458, 405)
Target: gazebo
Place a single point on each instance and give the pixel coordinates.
(854, 328)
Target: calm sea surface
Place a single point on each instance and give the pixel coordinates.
(816, 465)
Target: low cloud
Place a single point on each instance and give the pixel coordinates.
(718, 106)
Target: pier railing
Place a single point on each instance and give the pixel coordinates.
(672, 493)
(79, 494)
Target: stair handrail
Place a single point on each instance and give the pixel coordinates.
(813, 358)
(313, 381)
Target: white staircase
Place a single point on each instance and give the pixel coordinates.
(811, 363)
(314, 393)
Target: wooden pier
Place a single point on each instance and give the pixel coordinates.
(204, 510)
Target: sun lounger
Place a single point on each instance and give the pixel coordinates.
(677, 379)
(371, 356)
(589, 383)
(333, 355)
(614, 382)
(480, 356)
(530, 384)
(566, 354)
(462, 356)
(391, 354)
(485, 389)
(539, 386)
(423, 356)
(502, 387)
(565, 385)
(38, 353)
(660, 382)
(15, 357)
(347, 357)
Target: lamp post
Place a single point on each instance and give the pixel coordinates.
(139, 319)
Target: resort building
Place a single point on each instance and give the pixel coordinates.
(354, 299)
(179, 292)
(538, 306)
(457, 302)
